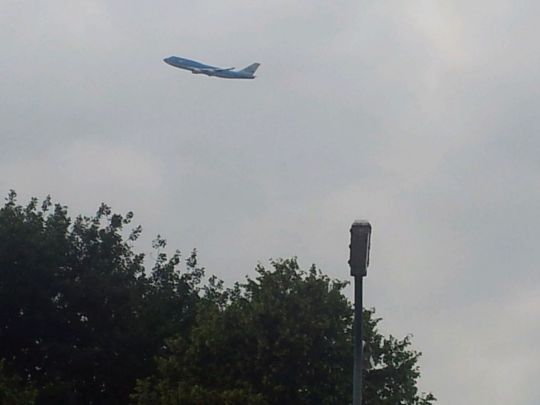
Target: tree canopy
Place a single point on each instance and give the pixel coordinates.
(79, 317)
(283, 337)
(13, 391)
(82, 321)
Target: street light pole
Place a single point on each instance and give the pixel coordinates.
(358, 349)
(358, 261)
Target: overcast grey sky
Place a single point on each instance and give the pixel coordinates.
(421, 116)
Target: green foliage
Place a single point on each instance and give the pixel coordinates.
(391, 377)
(283, 337)
(79, 316)
(13, 391)
(83, 322)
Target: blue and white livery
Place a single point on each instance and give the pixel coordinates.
(201, 68)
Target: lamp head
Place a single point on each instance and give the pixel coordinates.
(359, 248)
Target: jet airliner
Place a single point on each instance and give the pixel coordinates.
(201, 68)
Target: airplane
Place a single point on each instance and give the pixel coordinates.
(201, 68)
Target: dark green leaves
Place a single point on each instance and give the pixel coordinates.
(83, 322)
(79, 317)
(283, 337)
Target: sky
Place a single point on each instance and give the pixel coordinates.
(419, 116)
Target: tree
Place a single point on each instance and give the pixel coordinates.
(392, 373)
(13, 391)
(281, 338)
(83, 322)
(79, 317)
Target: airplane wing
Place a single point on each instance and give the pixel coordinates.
(211, 70)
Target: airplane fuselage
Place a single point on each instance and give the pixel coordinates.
(200, 68)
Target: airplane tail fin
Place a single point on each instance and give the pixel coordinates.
(251, 69)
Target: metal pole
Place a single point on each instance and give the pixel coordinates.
(358, 346)
(359, 262)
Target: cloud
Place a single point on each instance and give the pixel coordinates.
(83, 173)
(487, 349)
(420, 117)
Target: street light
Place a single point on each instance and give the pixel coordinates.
(359, 262)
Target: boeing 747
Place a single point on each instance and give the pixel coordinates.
(200, 68)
